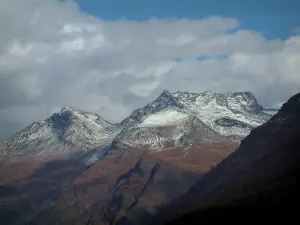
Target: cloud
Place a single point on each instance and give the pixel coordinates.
(52, 54)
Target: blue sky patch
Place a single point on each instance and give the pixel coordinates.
(272, 18)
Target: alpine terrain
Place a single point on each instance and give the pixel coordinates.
(260, 180)
(120, 173)
(176, 119)
(65, 131)
(173, 117)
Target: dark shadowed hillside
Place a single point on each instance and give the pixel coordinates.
(261, 178)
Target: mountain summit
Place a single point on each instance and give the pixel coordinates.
(231, 115)
(68, 130)
(164, 101)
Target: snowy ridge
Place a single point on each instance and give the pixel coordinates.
(164, 101)
(66, 131)
(160, 125)
(156, 125)
(231, 115)
(156, 130)
(181, 118)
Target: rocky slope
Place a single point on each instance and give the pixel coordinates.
(168, 131)
(263, 173)
(65, 131)
(122, 188)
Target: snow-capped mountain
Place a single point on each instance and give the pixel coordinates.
(180, 118)
(168, 128)
(164, 101)
(163, 123)
(231, 115)
(65, 131)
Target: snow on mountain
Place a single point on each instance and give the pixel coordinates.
(163, 123)
(181, 118)
(65, 131)
(164, 118)
(231, 115)
(156, 124)
(164, 101)
(188, 130)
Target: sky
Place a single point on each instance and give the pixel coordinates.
(111, 57)
(272, 18)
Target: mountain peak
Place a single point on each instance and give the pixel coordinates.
(74, 112)
(67, 130)
(244, 95)
(230, 114)
(63, 118)
(293, 103)
(166, 92)
(68, 109)
(289, 109)
(166, 99)
(165, 95)
(69, 112)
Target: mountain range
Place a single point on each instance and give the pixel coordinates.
(171, 157)
(176, 119)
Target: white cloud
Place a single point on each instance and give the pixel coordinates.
(52, 54)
